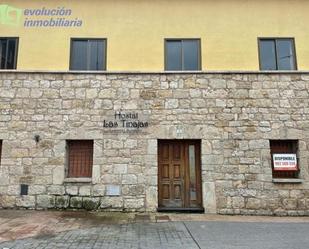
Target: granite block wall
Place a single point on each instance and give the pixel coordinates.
(233, 114)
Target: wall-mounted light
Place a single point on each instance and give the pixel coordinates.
(37, 138)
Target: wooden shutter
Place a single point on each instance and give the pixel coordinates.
(283, 146)
(80, 158)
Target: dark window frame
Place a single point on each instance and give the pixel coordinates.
(69, 150)
(275, 39)
(16, 51)
(182, 64)
(294, 148)
(1, 143)
(89, 39)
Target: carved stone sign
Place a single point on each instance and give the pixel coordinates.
(112, 190)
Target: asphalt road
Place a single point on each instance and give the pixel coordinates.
(175, 235)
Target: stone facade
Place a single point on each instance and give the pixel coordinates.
(234, 114)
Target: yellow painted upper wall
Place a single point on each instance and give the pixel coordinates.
(135, 31)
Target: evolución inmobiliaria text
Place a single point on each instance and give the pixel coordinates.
(57, 17)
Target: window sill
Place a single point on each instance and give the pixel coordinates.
(287, 180)
(78, 180)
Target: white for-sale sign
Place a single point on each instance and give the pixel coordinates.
(285, 161)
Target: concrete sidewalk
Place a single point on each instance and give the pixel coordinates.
(174, 235)
(20, 224)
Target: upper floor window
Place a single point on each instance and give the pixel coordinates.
(182, 55)
(0, 150)
(277, 54)
(88, 54)
(8, 53)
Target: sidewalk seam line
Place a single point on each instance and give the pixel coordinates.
(191, 235)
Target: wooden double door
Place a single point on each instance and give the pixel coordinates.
(179, 179)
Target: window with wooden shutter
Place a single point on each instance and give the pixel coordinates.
(80, 158)
(284, 147)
